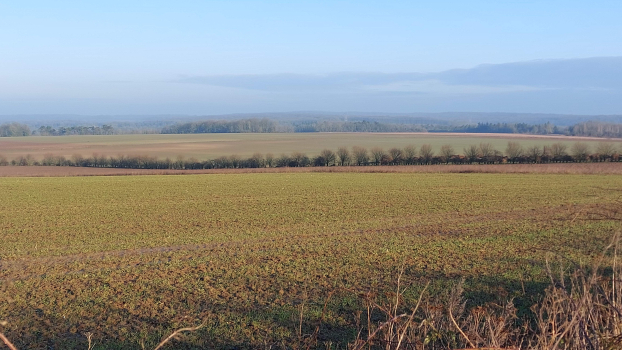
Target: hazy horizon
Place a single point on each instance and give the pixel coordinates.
(214, 58)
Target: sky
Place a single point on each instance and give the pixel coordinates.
(214, 57)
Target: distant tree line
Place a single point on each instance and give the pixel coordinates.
(17, 129)
(596, 129)
(264, 125)
(357, 126)
(506, 128)
(222, 126)
(76, 130)
(483, 153)
(14, 129)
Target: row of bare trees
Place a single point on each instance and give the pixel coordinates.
(560, 152)
(484, 153)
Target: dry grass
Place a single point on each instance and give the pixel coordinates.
(7, 342)
(557, 168)
(580, 310)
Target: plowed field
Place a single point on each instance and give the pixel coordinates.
(211, 146)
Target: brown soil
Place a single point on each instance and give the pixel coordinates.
(507, 136)
(557, 168)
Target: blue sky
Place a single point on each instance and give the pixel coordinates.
(145, 57)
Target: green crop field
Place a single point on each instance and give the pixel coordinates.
(210, 146)
(256, 256)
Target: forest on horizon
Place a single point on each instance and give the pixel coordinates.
(266, 125)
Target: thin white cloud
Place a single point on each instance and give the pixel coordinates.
(438, 87)
(588, 86)
(579, 74)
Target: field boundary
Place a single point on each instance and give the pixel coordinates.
(613, 168)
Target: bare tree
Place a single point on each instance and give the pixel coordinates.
(180, 160)
(48, 159)
(269, 160)
(219, 163)
(27, 160)
(298, 159)
(360, 155)
(558, 150)
(256, 161)
(397, 156)
(471, 153)
(344, 156)
(77, 159)
(535, 153)
(377, 154)
(486, 150)
(547, 152)
(426, 153)
(410, 154)
(447, 151)
(514, 150)
(329, 157)
(282, 161)
(235, 160)
(580, 151)
(606, 150)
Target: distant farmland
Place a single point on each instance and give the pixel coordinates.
(210, 146)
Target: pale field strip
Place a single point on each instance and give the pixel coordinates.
(210, 146)
(556, 168)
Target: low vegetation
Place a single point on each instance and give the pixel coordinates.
(294, 260)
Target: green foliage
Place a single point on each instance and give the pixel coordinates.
(129, 258)
(504, 128)
(223, 126)
(356, 126)
(46, 130)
